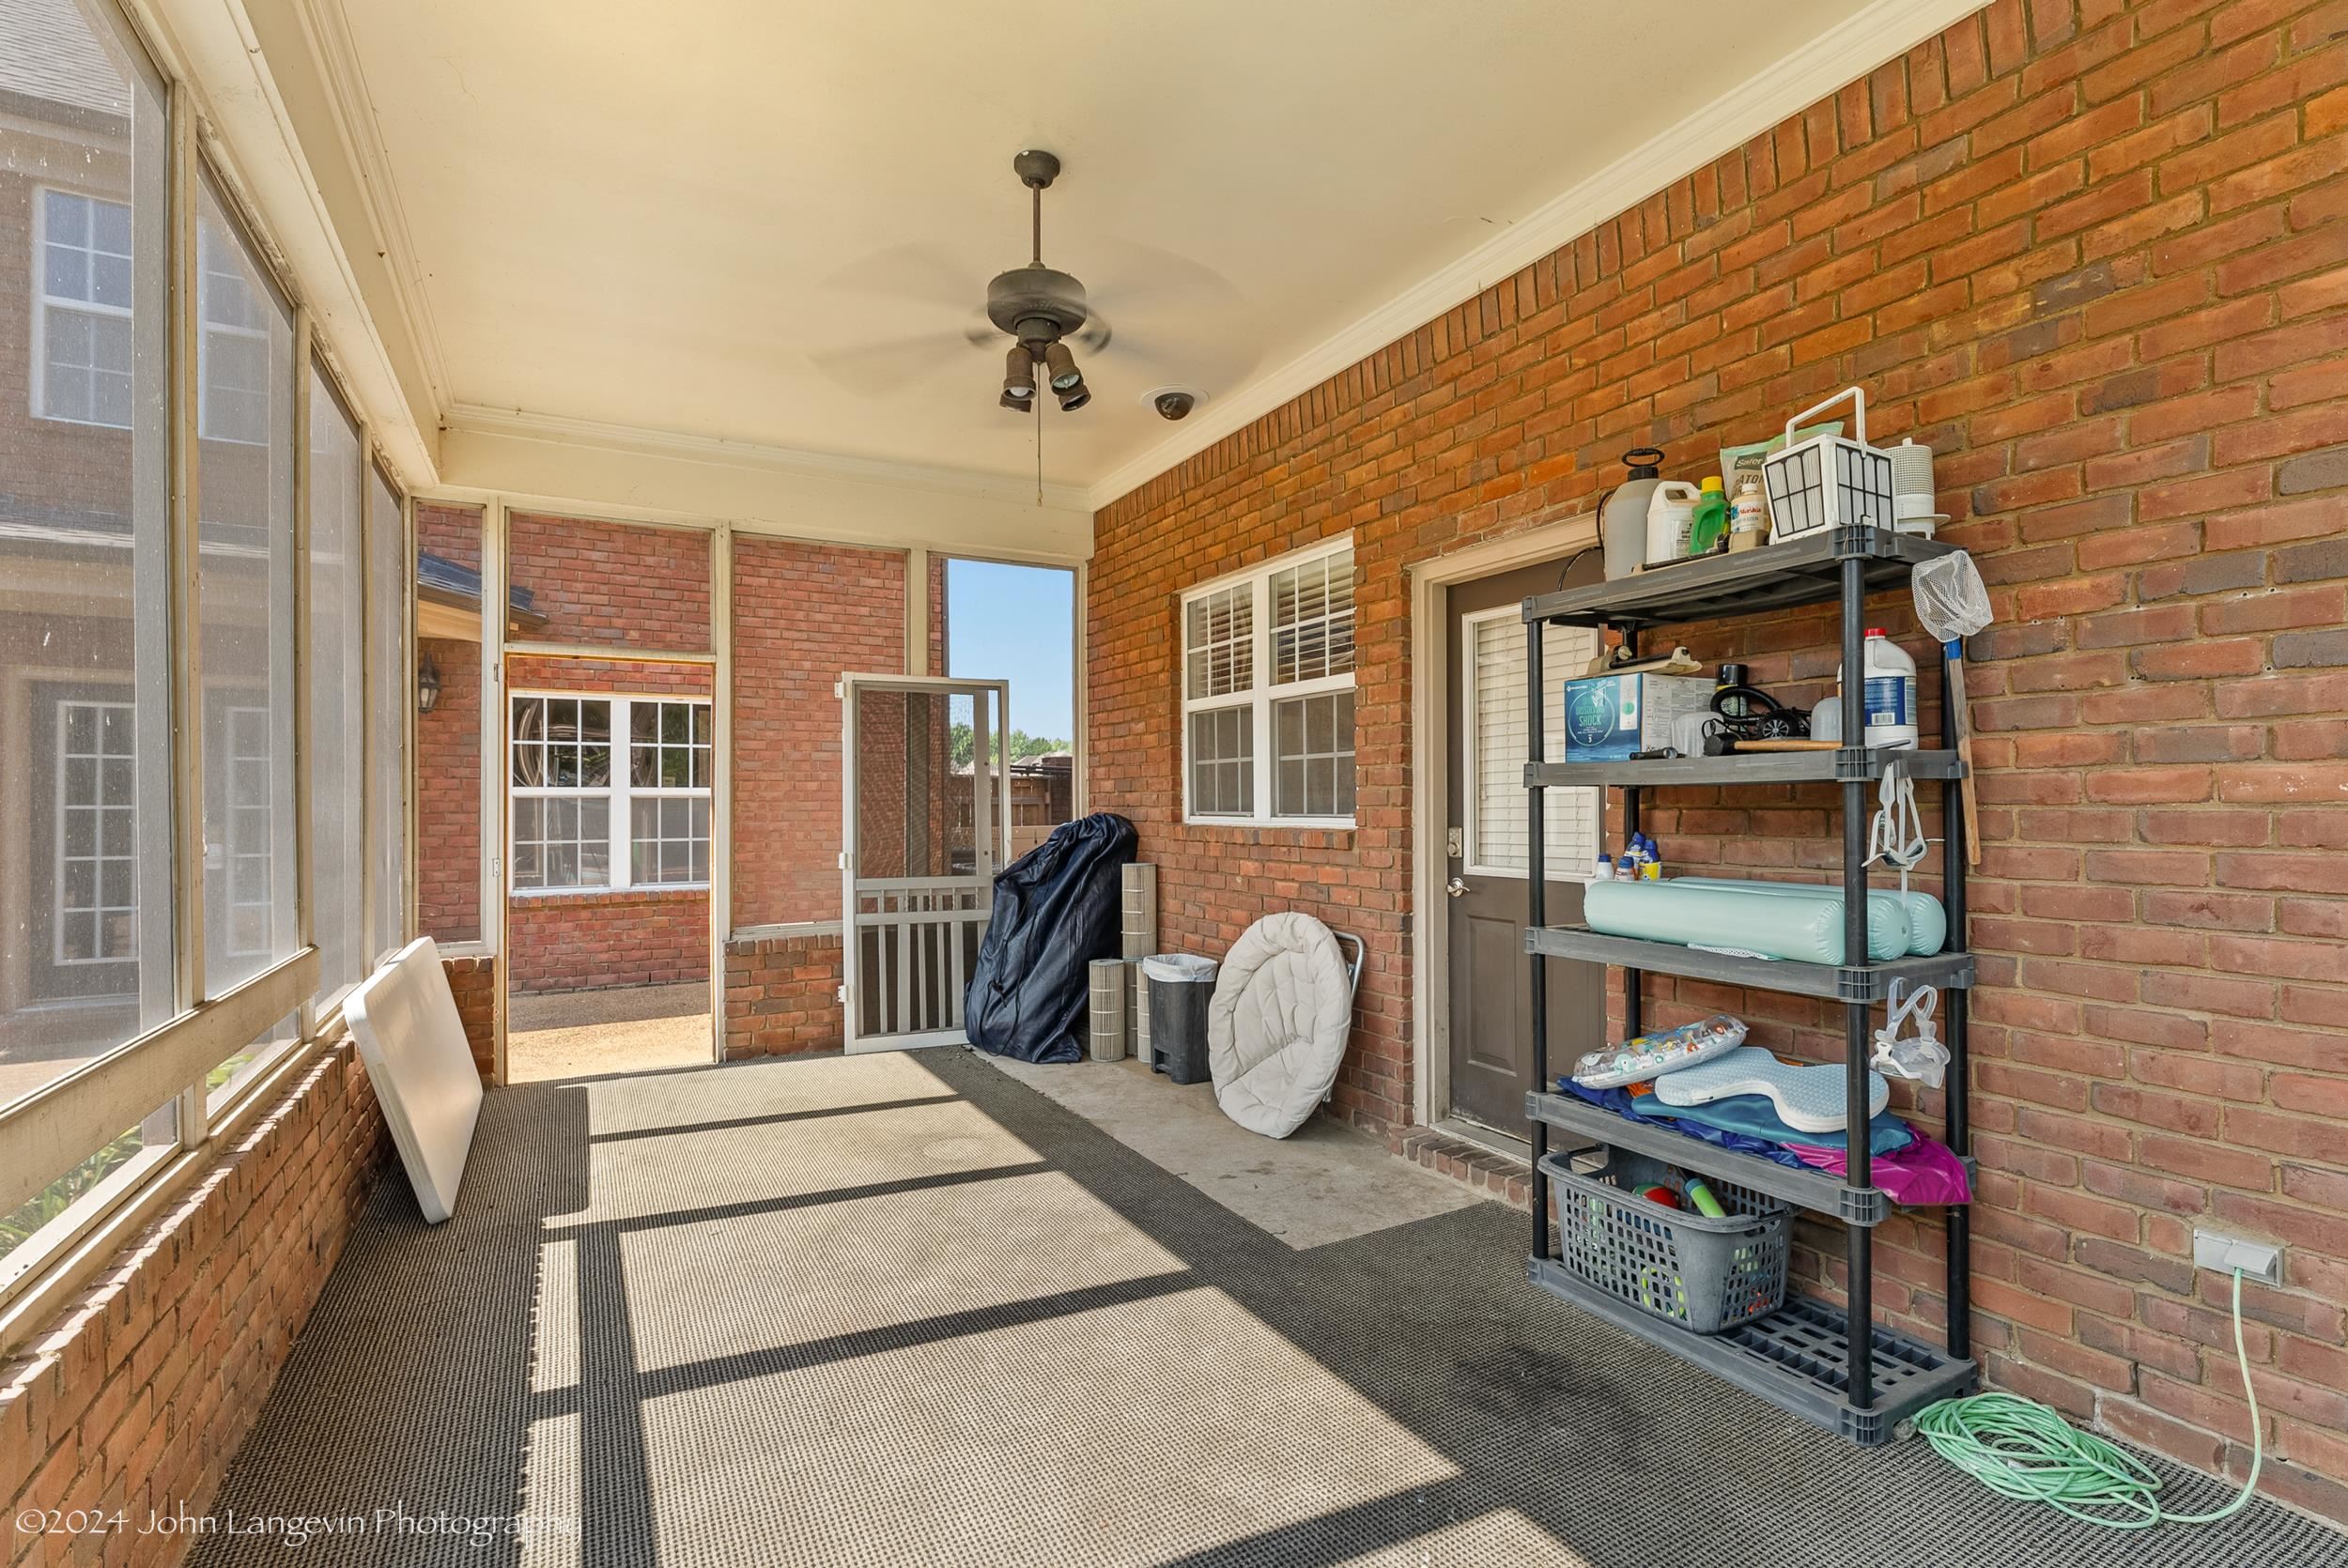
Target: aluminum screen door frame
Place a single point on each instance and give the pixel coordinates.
(967, 900)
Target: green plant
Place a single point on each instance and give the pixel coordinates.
(1023, 745)
(60, 1194)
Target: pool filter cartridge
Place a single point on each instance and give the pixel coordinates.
(1137, 985)
(1139, 929)
(1110, 1021)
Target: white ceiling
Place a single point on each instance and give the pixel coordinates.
(667, 217)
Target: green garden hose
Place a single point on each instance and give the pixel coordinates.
(2018, 1448)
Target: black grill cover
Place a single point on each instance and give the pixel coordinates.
(1056, 909)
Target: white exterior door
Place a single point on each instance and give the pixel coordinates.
(927, 823)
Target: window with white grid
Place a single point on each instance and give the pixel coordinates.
(82, 333)
(1267, 692)
(1499, 742)
(232, 359)
(252, 783)
(669, 791)
(609, 791)
(97, 834)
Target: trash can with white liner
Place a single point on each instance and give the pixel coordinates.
(1180, 986)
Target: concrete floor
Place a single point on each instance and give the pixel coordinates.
(1322, 1183)
(591, 1034)
(902, 1311)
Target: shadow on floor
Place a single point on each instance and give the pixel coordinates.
(898, 1310)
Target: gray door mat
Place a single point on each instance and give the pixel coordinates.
(901, 1310)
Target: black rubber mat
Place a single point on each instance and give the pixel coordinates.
(900, 1310)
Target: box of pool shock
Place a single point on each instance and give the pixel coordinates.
(1612, 718)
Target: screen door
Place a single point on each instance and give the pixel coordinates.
(927, 827)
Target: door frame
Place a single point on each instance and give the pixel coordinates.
(994, 785)
(1430, 783)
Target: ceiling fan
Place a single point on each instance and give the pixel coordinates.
(1050, 319)
(1042, 308)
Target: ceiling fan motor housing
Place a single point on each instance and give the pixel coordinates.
(1038, 306)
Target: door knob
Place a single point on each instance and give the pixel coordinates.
(1454, 888)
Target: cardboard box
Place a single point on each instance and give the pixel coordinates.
(1612, 718)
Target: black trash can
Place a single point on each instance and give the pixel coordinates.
(1180, 986)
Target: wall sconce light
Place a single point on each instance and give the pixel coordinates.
(428, 685)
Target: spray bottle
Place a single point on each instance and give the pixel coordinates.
(1622, 521)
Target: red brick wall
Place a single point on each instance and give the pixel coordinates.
(611, 583)
(137, 1396)
(448, 796)
(803, 616)
(2094, 252)
(473, 983)
(644, 936)
(448, 752)
(783, 995)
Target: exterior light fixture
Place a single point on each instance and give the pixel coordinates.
(428, 685)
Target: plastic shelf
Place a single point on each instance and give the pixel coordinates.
(1751, 767)
(1835, 982)
(1803, 571)
(1816, 1191)
(1794, 1358)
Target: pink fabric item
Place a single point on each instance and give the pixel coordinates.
(1925, 1173)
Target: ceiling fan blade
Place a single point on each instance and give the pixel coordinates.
(921, 273)
(876, 369)
(1138, 278)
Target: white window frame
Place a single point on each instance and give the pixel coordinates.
(44, 302)
(1472, 782)
(619, 793)
(63, 806)
(248, 841)
(1260, 695)
(208, 240)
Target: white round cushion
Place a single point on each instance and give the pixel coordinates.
(1276, 1030)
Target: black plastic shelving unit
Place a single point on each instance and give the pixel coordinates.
(1806, 1358)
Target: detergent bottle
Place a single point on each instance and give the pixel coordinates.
(1671, 514)
(1622, 526)
(1709, 531)
(1888, 695)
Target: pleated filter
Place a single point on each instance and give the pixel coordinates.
(1112, 1025)
(1140, 927)
(1139, 933)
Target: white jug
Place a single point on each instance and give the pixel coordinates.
(1671, 516)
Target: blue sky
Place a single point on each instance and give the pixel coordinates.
(1016, 623)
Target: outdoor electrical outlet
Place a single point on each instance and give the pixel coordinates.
(2262, 1261)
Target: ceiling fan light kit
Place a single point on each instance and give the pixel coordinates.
(1040, 306)
(1018, 377)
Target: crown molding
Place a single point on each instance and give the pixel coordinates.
(327, 30)
(1882, 30)
(211, 50)
(563, 430)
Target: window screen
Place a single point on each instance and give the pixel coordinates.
(1312, 755)
(337, 697)
(1223, 762)
(244, 583)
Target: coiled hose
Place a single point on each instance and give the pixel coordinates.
(2021, 1449)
